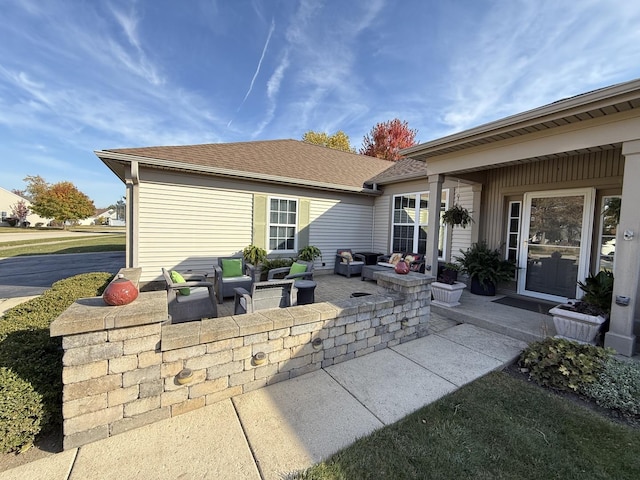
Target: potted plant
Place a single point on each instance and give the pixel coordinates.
(309, 253)
(256, 256)
(582, 320)
(446, 290)
(457, 215)
(485, 267)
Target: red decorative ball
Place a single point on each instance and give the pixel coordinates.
(402, 267)
(120, 292)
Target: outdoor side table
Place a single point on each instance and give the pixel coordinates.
(306, 291)
(370, 258)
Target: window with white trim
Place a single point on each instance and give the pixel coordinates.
(609, 218)
(283, 215)
(410, 222)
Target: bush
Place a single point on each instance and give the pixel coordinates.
(27, 349)
(271, 263)
(617, 387)
(20, 412)
(563, 364)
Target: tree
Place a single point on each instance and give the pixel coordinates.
(337, 141)
(62, 201)
(387, 139)
(20, 211)
(35, 186)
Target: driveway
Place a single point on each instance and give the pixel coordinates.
(32, 275)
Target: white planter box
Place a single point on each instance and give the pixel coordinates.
(576, 326)
(447, 295)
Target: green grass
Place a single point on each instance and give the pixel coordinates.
(52, 246)
(498, 427)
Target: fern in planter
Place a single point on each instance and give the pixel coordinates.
(254, 254)
(457, 215)
(486, 268)
(309, 253)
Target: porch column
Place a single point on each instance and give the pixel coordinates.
(627, 262)
(433, 229)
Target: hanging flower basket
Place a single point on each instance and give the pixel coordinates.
(457, 215)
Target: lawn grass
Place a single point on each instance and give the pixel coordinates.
(59, 245)
(498, 427)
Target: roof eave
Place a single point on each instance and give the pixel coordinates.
(106, 155)
(570, 106)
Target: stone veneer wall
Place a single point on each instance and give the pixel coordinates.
(121, 364)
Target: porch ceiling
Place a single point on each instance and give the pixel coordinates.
(592, 105)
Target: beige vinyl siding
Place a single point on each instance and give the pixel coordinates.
(188, 227)
(334, 224)
(602, 170)
(461, 237)
(382, 224)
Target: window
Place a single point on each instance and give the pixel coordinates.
(283, 213)
(610, 216)
(513, 232)
(410, 221)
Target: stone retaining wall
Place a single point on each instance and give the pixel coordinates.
(125, 367)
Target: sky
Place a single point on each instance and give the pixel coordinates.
(83, 75)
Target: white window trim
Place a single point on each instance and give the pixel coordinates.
(295, 227)
(416, 224)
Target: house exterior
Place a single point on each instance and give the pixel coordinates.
(8, 200)
(541, 184)
(545, 185)
(189, 205)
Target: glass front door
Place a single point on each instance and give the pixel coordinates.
(555, 243)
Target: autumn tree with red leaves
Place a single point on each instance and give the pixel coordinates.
(387, 139)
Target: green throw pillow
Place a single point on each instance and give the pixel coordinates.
(177, 278)
(232, 267)
(297, 268)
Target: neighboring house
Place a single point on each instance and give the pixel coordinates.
(189, 205)
(539, 184)
(8, 200)
(544, 183)
(107, 215)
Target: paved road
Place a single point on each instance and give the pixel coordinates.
(32, 275)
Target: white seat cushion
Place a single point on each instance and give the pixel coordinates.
(385, 264)
(197, 293)
(230, 280)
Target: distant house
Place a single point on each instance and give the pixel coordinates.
(540, 184)
(103, 216)
(8, 200)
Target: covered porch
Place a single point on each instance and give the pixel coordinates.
(561, 162)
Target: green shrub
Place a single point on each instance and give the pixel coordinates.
(617, 387)
(20, 412)
(271, 263)
(563, 364)
(28, 350)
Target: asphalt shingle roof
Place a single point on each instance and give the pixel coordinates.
(287, 159)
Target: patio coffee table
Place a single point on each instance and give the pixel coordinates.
(369, 270)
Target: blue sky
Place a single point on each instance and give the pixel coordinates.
(78, 76)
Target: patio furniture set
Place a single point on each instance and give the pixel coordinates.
(193, 296)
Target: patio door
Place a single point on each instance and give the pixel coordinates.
(555, 245)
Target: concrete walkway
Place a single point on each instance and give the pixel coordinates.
(288, 426)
